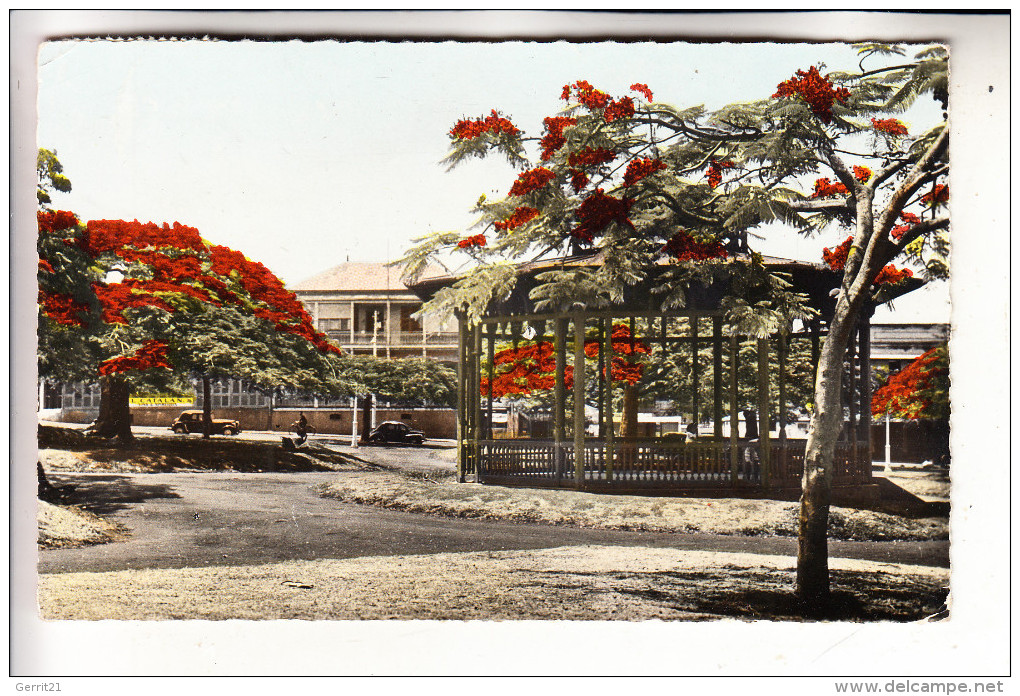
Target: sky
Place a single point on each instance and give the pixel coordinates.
(306, 154)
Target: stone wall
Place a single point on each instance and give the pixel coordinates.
(437, 423)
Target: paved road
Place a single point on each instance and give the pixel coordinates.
(338, 439)
(188, 520)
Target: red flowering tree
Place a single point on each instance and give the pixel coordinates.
(527, 371)
(151, 304)
(788, 157)
(919, 390)
(529, 367)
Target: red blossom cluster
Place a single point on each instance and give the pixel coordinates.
(836, 258)
(523, 370)
(597, 100)
(539, 351)
(892, 126)
(626, 346)
(686, 248)
(642, 89)
(58, 224)
(624, 343)
(597, 211)
(814, 89)
(163, 266)
(900, 230)
(889, 275)
(531, 180)
(937, 196)
(586, 94)
(531, 367)
(469, 129)
(862, 174)
(520, 216)
(111, 235)
(621, 108)
(472, 241)
(638, 169)
(63, 308)
(115, 298)
(554, 139)
(173, 262)
(825, 189)
(151, 355)
(623, 371)
(715, 170)
(284, 309)
(173, 270)
(590, 157)
(51, 221)
(902, 394)
(578, 180)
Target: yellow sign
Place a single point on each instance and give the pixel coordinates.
(161, 400)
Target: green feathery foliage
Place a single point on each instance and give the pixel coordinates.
(407, 381)
(622, 177)
(50, 177)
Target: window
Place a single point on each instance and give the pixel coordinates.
(407, 323)
(334, 324)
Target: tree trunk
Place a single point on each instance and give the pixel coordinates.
(824, 430)
(750, 424)
(47, 491)
(206, 408)
(627, 452)
(827, 417)
(366, 416)
(629, 418)
(114, 419)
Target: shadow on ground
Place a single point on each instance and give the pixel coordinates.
(763, 594)
(896, 500)
(159, 454)
(103, 495)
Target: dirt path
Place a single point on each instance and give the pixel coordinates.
(187, 519)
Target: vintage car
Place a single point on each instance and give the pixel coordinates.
(396, 432)
(191, 422)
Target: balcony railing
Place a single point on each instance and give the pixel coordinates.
(397, 338)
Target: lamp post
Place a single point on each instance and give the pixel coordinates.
(354, 421)
(888, 446)
(375, 354)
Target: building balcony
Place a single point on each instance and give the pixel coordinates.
(397, 338)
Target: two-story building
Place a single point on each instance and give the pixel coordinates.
(365, 308)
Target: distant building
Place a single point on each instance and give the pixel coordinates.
(895, 345)
(365, 308)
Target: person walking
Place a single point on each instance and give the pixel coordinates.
(301, 428)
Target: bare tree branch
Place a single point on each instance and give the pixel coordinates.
(819, 205)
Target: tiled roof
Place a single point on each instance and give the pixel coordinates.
(363, 277)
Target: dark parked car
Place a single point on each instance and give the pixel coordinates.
(191, 422)
(395, 431)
